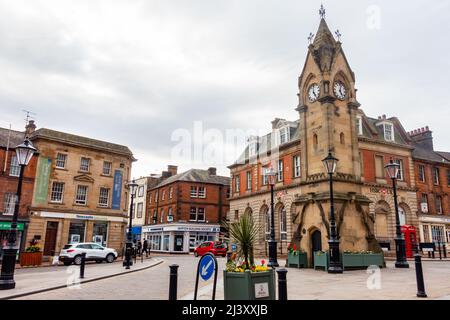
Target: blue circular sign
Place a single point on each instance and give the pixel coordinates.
(207, 267)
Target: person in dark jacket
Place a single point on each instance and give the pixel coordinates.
(145, 248)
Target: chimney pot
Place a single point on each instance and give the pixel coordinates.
(30, 128)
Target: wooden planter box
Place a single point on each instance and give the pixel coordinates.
(362, 260)
(30, 259)
(321, 260)
(241, 285)
(298, 260)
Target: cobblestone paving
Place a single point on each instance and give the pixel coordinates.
(302, 283)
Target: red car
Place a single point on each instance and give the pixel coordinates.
(215, 247)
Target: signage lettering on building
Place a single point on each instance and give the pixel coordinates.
(7, 226)
(380, 190)
(79, 216)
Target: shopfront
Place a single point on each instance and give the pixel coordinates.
(179, 237)
(434, 229)
(58, 229)
(5, 228)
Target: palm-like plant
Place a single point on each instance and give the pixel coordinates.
(244, 233)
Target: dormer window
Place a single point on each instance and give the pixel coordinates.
(388, 132)
(284, 135)
(252, 149)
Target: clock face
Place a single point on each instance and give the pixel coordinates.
(339, 90)
(313, 92)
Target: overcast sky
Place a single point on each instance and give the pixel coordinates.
(133, 72)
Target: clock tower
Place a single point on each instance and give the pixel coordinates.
(327, 111)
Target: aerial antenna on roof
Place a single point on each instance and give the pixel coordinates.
(30, 115)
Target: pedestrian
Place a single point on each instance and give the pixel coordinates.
(145, 248)
(139, 247)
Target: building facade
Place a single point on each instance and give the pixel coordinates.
(80, 191)
(432, 174)
(329, 120)
(9, 178)
(185, 209)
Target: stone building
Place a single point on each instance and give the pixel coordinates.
(329, 119)
(185, 209)
(9, 178)
(80, 193)
(432, 171)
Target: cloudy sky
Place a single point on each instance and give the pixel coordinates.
(139, 73)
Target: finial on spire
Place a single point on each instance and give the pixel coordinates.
(322, 12)
(311, 37)
(338, 35)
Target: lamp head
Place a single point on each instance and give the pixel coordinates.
(330, 163)
(392, 169)
(24, 152)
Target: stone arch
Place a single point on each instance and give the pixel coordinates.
(342, 138)
(405, 213)
(248, 211)
(309, 80)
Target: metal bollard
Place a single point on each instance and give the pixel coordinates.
(282, 284)
(229, 253)
(445, 250)
(83, 262)
(439, 248)
(419, 277)
(173, 282)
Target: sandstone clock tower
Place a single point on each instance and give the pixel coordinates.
(327, 110)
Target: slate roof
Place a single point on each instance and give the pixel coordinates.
(429, 155)
(45, 133)
(445, 155)
(400, 134)
(195, 175)
(15, 137)
(265, 144)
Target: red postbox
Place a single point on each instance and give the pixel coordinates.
(410, 234)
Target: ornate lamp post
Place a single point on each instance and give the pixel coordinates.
(129, 245)
(330, 164)
(392, 170)
(271, 176)
(24, 153)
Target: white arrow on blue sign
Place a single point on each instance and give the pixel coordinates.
(207, 266)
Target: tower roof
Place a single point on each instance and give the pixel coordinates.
(323, 35)
(324, 47)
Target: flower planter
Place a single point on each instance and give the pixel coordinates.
(30, 259)
(241, 285)
(321, 260)
(356, 260)
(299, 260)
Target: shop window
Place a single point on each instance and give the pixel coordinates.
(76, 232)
(100, 233)
(166, 242)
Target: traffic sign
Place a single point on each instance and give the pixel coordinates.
(207, 267)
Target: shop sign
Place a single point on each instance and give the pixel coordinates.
(7, 226)
(381, 190)
(84, 217)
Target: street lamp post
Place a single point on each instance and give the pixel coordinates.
(129, 245)
(392, 170)
(271, 175)
(24, 153)
(330, 164)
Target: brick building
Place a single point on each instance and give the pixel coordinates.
(185, 209)
(79, 193)
(9, 178)
(329, 119)
(432, 174)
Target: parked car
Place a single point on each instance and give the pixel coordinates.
(71, 253)
(215, 247)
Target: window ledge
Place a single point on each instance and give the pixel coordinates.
(57, 203)
(84, 172)
(80, 205)
(106, 175)
(61, 169)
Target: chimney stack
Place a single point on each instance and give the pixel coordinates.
(423, 137)
(30, 128)
(172, 169)
(212, 171)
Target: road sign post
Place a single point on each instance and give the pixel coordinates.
(205, 269)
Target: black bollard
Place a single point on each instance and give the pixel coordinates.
(83, 262)
(282, 284)
(444, 249)
(419, 276)
(173, 282)
(229, 253)
(439, 248)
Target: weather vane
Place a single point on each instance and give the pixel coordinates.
(338, 35)
(322, 11)
(310, 38)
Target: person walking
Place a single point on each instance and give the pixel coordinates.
(139, 247)
(145, 248)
